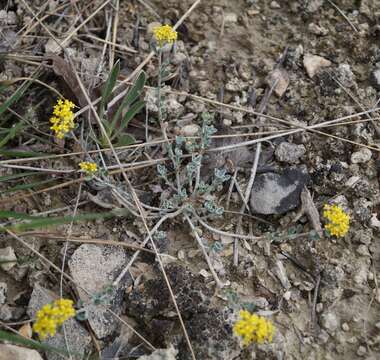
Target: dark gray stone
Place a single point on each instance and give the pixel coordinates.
(274, 193)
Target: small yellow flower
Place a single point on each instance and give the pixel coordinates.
(50, 316)
(339, 221)
(90, 168)
(164, 34)
(253, 328)
(63, 118)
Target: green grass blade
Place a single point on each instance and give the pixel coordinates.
(135, 109)
(108, 87)
(21, 154)
(36, 223)
(20, 340)
(15, 215)
(129, 99)
(29, 186)
(14, 98)
(11, 133)
(17, 176)
(126, 139)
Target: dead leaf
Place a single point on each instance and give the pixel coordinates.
(62, 68)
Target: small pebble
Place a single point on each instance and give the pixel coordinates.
(8, 256)
(189, 130)
(230, 18)
(375, 77)
(345, 327)
(275, 5)
(313, 63)
(361, 351)
(362, 156)
(181, 255)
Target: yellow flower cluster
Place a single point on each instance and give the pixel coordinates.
(50, 316)
(253, 328)
(339, 221)
(90, 168)
(164, 34)
(63, 118)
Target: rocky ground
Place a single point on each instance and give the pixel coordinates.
(301, 62)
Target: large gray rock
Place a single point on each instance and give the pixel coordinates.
(77, 336)
(12, 352)
(274, 193)
(94, 268)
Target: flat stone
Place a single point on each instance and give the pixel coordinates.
(12, 352)
(94, 268)
(77, 336)
(289, 153)
(313, 63)
(9, 257)
(274, 193)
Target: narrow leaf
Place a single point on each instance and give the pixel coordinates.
(21, 154)
(45, 222)
(132, 95)
(108, 87)
(135, 109)
(14, 98)
(125, 140)
(11, 134)
(17, 176)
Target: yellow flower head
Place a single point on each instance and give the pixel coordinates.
(339, 221)
(164, 34)
(90, 168)
(50, 316)
(63, 118)
(253, 328)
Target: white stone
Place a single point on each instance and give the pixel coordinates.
(275, 5)
(12, 352)
(3, 292)
(51, 46)
(361, 351)
(7, 254)
(189, 130)
(362, 156)
(230, 17)
(313, 63)
(376, 78)
(329, 321)
(151, 26)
